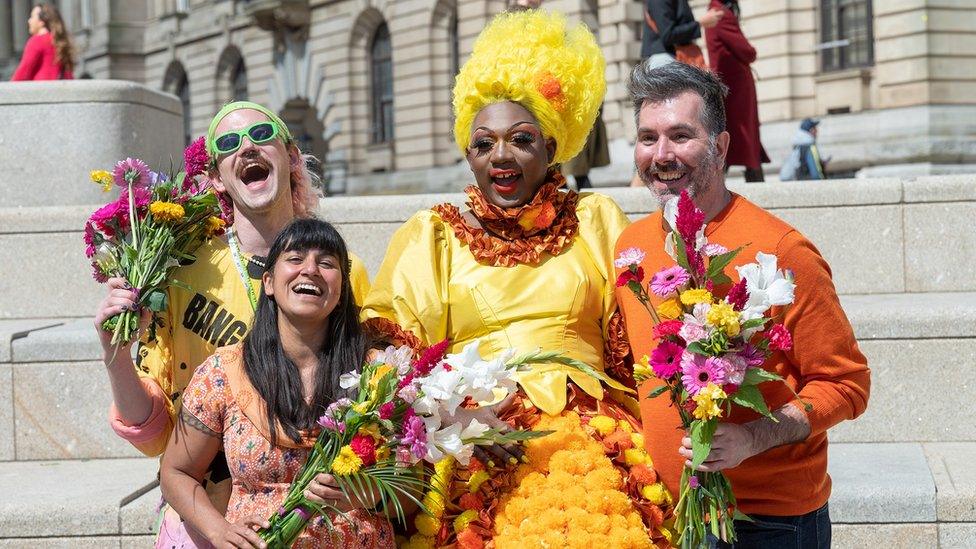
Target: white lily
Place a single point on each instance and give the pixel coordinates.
(767, 286)
(441, 389)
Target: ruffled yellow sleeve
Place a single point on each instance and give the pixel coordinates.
(359, 279)
(410, 288)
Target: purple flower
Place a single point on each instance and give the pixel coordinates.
(415, 436)
(666, 359)
(693, 482)
(668, 281)
(699, 371)
(332, 424)
(752, 355)
(131, 170)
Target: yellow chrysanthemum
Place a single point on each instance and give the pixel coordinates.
(637, 456)
(464, 519)
(362, 407)
(642, 369)
(695, 296)
(604, 424)
(427, 525)
(103, 178)
(670, 309)
(476, 480)
(213, 226)
(655, 493)
(434, 503)
(372, 430)
(625, 426)
(723, 316)
(347, 462)
(637, 439)
(707, 400)
(166, 212)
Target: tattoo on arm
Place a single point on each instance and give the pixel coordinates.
(188, 419)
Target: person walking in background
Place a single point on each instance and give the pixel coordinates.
(804, 162)
(595, 154)
(730, 56)
(48, 54)
(670, 25)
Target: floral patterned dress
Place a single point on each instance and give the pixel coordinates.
(220, 396)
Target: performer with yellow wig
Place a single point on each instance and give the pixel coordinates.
(528, 265)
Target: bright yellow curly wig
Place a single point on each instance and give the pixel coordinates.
(533, 59)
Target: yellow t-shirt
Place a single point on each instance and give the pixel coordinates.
(430, 284)
(213, 310)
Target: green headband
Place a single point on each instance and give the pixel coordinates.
(238, 105)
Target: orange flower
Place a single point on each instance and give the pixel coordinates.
(642, 474)
(538, 217)
(469, 539)
(617, 441)
(551, 89)
(471, 502)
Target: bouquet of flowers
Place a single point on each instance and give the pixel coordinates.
(155, 225)
(406, 412)
(710, 351)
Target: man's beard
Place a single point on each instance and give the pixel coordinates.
(699, 179)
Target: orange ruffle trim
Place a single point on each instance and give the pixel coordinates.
(390, 332)
(517, 236)
(616, 352)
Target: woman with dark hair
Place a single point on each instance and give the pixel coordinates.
(730, 56)
(258, 401)
(48, 54)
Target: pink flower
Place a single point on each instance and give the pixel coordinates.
(752, 355)
(195, 158)
(415, 436)
(629, 276)
(89, 240)
(386, 410)
(689, 219)
(730, 388)
(668, 281)
(699, 371)
(666, 359)
(98, 275)
(131, 169)
(667, 328)
(628, 257)
(735, 368)
(431, 357)
(403, 456)
(779, 338)
(693, 482)
(738, 295)
(696, 262)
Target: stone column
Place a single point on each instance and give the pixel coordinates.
(20, 13)
(620, 38)
(6, 38)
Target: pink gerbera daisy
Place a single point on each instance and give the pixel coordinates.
(131, 169)
(666, 359)
(699, 371)
(668, 281)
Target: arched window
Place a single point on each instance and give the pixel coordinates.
(175, 81)
(381, 85)
(239, 81)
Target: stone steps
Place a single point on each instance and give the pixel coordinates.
(892, 495)
(879, 236)
(903, 336)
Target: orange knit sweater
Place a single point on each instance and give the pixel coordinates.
(825, 366)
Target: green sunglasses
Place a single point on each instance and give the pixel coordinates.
(258, 133)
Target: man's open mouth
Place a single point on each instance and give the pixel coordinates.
(253, 171)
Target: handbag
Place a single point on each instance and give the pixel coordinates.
(689, 54)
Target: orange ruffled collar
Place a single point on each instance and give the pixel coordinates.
(517, 236)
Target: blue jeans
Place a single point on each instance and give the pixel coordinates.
(809, 531)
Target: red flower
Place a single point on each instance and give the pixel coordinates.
(195, 158)
(386, 410)
(365, 447)
(779, 338)
(667, 328)
(689, 219)
(738, 295)
(471, 502)
(630, 275)
(730, 388)
(431, 357)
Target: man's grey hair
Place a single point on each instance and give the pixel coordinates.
(671, 80)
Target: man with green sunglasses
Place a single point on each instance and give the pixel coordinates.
(263, 182)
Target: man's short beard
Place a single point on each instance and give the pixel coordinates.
(700, 179)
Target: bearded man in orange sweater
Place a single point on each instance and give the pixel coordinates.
(778, 469)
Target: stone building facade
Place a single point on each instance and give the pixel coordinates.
(366, 83)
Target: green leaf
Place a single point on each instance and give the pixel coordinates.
(698, 348)
(717, 264)
(720, 279)
(157, 301)
(754, 323)
(657, 392)
(680, 251)
(755, 376)
(634, 286)
(701, 440)
(750, 397)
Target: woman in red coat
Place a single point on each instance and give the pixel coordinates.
(48, 54)
(729, 55)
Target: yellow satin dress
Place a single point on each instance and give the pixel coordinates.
(431, 285)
